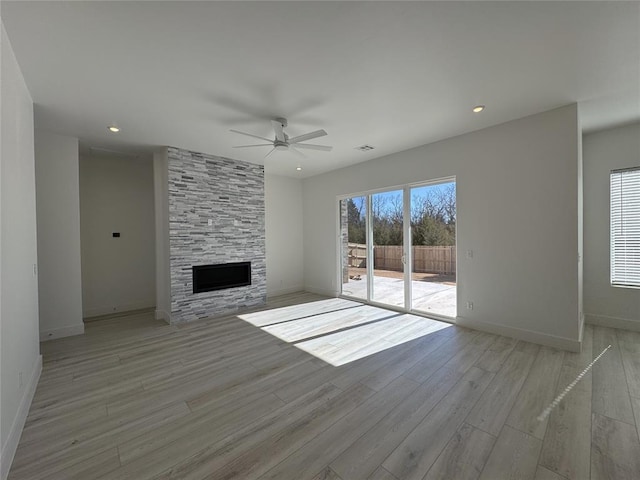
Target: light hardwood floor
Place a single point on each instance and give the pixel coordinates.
(316, 388)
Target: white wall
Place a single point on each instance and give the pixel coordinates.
(605, 151)
(517, 199)
(19, 356)
(116, 195)
(285, 260)
(58, 214)
(161, 203)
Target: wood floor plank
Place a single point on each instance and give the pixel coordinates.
(496, 354)
(223, 418)
(415, 455)
(245, 459)
(382, 377)
(255, 461)
(268, 382)
(299, 386)
(514, 456)
(381, 474)
(193, 386)
(615, 450)
(329, 444)
(361, 459)
(610, 391)
(185, 452)
(635, 404)
(491, 411)
(327, 474)
(537, 393)
(629, 343)
(468, 356)
(546, 474)
(44, 425)
(359, 369)
(430, 364)
(464, 456)
(73, 469)
(97, 436)
(566, 447)
(85, 400)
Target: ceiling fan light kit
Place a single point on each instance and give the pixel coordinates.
(282, 142)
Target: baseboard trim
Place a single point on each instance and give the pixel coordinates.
(54, 333)
(163, 315)
(613, 322)
(11, 445)
(110, 310)
(553, 341)
(284, 291)
(321, 291)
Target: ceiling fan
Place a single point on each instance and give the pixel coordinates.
(283, 142)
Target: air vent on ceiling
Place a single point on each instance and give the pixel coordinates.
(365, 148)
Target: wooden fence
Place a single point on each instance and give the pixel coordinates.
(389, 257)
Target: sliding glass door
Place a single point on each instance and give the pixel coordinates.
(387, 228)
(353, 246)
(398, 248)
(433, 249)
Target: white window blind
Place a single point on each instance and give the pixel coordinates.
(625, 227)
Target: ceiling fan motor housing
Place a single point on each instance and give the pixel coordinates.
(282, 121)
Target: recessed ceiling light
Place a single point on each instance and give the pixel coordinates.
(298, 168)
(114, 128)
(478, 108)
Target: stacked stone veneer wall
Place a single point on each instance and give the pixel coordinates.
(231, 194)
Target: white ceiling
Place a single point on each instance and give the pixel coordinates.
(394, 75)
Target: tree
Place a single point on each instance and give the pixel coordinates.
(356, 225)
(433, 217)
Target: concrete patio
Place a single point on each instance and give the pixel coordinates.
(429, 297)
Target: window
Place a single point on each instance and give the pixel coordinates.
(625, 227)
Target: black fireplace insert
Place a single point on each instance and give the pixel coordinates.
(207, 278)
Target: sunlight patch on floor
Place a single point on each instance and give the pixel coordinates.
(340, 331)
(295, 312)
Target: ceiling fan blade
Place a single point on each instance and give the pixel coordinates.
(307, 136)
(296, 151)
(270, 152)
(277, 127)
(259, 145)
(322, 148)
(250, 135)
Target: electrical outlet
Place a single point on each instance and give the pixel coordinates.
(469, 305)
(210, 222)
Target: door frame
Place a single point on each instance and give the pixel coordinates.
(407, 243)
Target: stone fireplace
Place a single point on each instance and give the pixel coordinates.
(216, 228)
